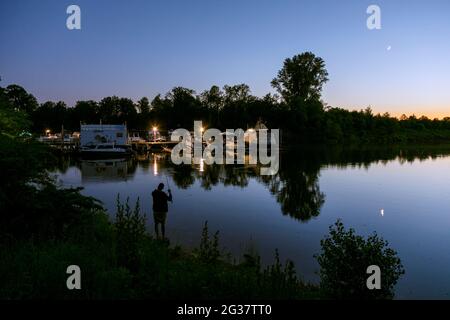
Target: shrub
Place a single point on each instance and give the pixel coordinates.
(209, 248)
(130, 233)
(344, 260)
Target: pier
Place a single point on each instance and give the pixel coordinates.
(73, 147)
(146, 146)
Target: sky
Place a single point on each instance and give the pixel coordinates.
(139, 48)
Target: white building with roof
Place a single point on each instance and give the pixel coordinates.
(94, 134)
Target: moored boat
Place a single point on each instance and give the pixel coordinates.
(105, 150)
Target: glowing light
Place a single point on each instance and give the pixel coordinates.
(202, 168)
(47, 131)
(155, 130)
(382, 212)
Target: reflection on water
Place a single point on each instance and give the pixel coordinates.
(400, 192)
(155, 166)
(104, 170)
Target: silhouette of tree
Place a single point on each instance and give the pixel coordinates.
(301, 77)
(20, 99)
(143, 105)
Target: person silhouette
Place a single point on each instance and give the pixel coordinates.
(160, 208)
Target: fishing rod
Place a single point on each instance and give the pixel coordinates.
(168, 186)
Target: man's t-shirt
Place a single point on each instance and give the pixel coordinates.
(160, 199)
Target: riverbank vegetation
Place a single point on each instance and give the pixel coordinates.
(296, 108)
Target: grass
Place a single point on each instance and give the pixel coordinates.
(120, 260)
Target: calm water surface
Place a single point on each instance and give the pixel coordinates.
(403, 193)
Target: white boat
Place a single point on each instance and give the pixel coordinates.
(104, 150)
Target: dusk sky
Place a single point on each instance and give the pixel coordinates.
(141, 48)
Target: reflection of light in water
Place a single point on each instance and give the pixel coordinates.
(382, 212)
(201, 165)
(155, 167)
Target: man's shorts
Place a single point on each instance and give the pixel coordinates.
(159, 217)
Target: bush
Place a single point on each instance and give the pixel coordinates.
(130, 233)
(209, 248)
(344, 260)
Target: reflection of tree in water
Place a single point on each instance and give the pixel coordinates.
(63, 163)
(131, 166)
(183, 176)
(236, 176)
(228, 175)
(296, 186)
(299, 194)
(210, 176)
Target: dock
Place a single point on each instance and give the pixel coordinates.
(146, 146)
(73, 147)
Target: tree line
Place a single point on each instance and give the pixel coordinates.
(297, 109)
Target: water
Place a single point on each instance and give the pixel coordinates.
(400, 192)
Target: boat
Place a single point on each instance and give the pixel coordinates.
(105, 150)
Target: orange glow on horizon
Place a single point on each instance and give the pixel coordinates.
(439, 113)
(418, 114)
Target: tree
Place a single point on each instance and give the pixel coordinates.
(12, 122)
(237, 99)
(301, 77)
(212, 101)
(117, 110)
(107, 109)
(237, 93)
(185, 107)
(20, 99)
(84, 111)
(126, 111)
(143, 105)
(59, 115)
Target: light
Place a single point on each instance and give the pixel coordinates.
(202, 129)
(155, 130)
(382, 212)
(47, 131)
